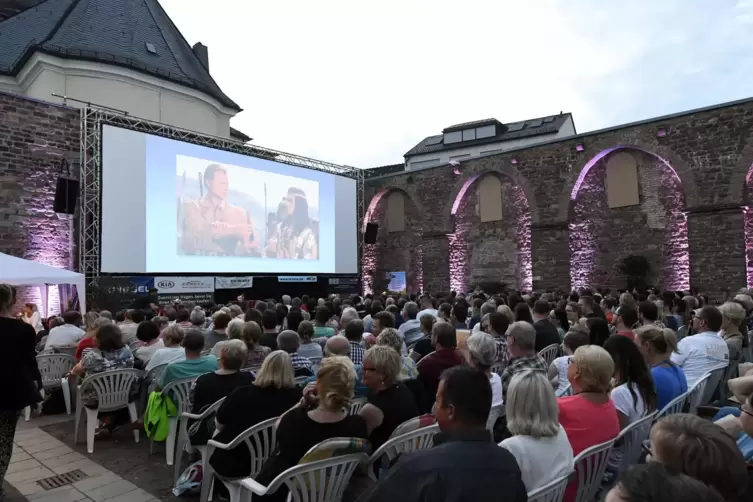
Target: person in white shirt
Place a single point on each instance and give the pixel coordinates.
(539, 443)
(574, 338)
(69, 334)
(706, 350)
(410, 329)
(427, 306)
(33, 317)
(172, 337)
(129, 326)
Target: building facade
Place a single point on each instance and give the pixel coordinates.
(565, 213)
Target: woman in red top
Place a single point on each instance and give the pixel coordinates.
(92, 322)
(588, 417)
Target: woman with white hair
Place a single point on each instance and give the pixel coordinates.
(733, 316)
(539, 443)
(234, 331)
(482, 353)
(211, 387)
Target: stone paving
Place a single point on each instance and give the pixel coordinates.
(119, 470)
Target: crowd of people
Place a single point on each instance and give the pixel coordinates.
(511, 421)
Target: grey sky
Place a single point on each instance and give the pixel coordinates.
(360, 83)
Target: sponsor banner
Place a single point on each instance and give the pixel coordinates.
(233, 282)
(171, 285)
(296, 278)
(165, 300)
(348, 285)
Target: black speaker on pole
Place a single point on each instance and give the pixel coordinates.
(370, 236)
(66, 194)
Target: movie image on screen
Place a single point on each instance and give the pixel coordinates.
(227, 210)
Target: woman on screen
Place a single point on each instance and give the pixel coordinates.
(297, 239)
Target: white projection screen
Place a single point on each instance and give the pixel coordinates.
(175, 207)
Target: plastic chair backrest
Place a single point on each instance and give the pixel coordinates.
(696, 393)
(324, 480)
(682, 333)
(729, 373)
(631, 439)
(413, 424)
(553, 491)
(113, 388)
(674, 406)
(53, 367)
(420, 439)
(356, 405)
(549, 354)
(590, 465)
(153, 375)
(494, 413)
(336, 447)
(71, 351)
(179, 391)
(717, 375)
(567, 391)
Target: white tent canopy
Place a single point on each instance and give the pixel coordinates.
(20, 272)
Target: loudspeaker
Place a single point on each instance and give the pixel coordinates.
(370, 236)
(66, 194)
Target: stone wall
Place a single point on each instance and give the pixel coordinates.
(33, 138)
(690, 222)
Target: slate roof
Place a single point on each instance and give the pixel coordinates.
(507, 132)
(107, 31)
(373, 172)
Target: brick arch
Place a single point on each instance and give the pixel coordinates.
(501, 168)
(404, 248)
(461, 230)
(599, 236)
(601, 149)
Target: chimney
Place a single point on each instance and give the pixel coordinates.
(202, 53)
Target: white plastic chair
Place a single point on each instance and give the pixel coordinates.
(178, 391)
(113, 390)
(674, 406)
(494, 413)
(696, 393)
(53, 367)
(549, 354)
(322, 481)
(567, 391)
(420, 439)
(631, 438)
(260, 440)
(589, 468)
(716, 380)
(184, 435)
(356, 405)
(553, 491)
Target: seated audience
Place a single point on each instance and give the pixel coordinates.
(269, 329)
(410, 329)
(219, 332)
(633, 392)
(588, 417)
(309, 347)
(321, 414)
(194, 365)
(172, 337)
(546, 331)
(234, 331)
(464, 464)
(538, 442)
(148, 334)
(390, 402)
(598, 330)
(424, 347)
(289, 342)
(109, 354)
(521, 345)
(459, 318)
(354, 333)
(626, 321)
(92, 321)
(700, 449)
(130, 324)
(293, 319)
(481, 354)
(272, 393)
(445, 356)
(339, 346)
(67, 335)
(321, 322)
(657, 346)
(705, 350)
(211, 387)
(391, 338)
(160, 321)
(733, 315)
(256, 353)
(652, 482)
(574, 338)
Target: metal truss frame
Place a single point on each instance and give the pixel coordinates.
(92, 120)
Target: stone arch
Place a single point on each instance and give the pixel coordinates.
(396, 251)
(600, 236)
(594, 153)
(498, 251)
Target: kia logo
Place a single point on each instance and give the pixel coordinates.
(165, 284)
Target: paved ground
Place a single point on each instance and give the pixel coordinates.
(119, 470)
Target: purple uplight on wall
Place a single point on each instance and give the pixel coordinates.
(579, 147)
(661, 133)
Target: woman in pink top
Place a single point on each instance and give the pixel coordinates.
(588, 417)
